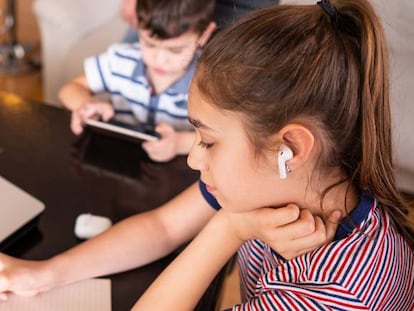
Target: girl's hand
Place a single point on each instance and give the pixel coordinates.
(164, 149)
(87, 111)
(290, 231)
(21, 277)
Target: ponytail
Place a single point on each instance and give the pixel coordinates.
(376, 166)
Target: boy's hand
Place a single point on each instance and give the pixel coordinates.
(165, 149)
(128, 12)
(87, 111)
(21, 277)
(288, 230)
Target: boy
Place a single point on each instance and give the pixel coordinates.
(226, 12)
(148, 81)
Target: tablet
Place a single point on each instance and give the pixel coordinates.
(110, 155)
(140, 131)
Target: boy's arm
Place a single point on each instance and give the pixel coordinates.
(128, 13)
(76, 93)
(77, 97)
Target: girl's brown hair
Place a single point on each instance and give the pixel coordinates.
(326, 69)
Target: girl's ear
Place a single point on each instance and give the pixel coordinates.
(301, 140)
(202, 40)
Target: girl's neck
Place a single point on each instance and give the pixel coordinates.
(343, 197)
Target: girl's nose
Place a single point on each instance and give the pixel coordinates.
(196, 158)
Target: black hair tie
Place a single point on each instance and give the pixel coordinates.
(329, 9)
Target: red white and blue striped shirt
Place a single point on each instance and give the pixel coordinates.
(368, 266)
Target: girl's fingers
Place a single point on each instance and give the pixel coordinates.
(308, 224)
(306, 243)
(4, 284)
(332, 224)
(4, 296)
(323, 233)
(278, 217)
(317, 238)
(304, 225)
(293, 236)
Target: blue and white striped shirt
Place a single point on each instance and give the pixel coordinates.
(121, 72)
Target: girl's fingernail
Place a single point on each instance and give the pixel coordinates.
(3, 283)
(337, 215)
(4, 297)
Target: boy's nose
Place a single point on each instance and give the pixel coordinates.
(160, 57)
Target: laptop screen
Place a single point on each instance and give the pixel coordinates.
(18, 210)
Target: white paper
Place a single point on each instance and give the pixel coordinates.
(88, 295)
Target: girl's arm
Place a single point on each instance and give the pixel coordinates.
(289, 230)
(182, 284)
(133, 242)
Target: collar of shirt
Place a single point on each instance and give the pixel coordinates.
(356, 217)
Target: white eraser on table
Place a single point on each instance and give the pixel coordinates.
(88, 225)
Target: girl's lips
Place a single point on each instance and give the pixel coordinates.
(210, 188)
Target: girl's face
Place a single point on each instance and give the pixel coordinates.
(238, 178)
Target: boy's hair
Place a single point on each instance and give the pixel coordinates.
(324, 66)
(167, 19)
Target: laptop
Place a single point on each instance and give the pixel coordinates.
(19, 213)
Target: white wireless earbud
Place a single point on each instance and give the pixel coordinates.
(285, 153)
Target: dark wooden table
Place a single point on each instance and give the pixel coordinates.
(40, 154)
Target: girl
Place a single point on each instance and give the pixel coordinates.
(291, 104)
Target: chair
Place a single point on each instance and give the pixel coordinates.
(71, 31)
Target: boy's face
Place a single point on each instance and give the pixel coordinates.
(170, 57)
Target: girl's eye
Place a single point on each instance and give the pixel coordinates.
(204, 145)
